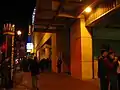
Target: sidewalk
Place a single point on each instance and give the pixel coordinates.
(24, 82)
(53, 81)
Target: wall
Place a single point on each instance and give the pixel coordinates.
(63, 45)
(106, 33)
(107, 36)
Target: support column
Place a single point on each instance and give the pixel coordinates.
(54, 56)
(75, 50)
(86, 50)
(81, 50)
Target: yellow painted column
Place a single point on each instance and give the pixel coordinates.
(80, 50)
(54, 56)
(86, 50)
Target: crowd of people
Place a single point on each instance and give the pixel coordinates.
(27, 64)
(35, 66)
(44, 64)
(109, 70)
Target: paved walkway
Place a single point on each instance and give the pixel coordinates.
(53, 81)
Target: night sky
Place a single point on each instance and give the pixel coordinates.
(18, 12)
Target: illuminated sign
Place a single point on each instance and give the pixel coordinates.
(28, 50)
(29, 46)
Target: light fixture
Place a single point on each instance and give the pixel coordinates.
(19, 32)
(13, 25)
(88, 10)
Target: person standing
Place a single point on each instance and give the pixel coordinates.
(25, 65)
(118, 72)
(59, 63)
(112, 64)
(6, 68)
(102, 71)
(34, 68)
(42, 65)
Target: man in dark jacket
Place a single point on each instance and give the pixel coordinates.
(34, 68)
(102, 71)
(25, 65)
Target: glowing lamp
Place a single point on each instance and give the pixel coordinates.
(88, 9)
(19, 32)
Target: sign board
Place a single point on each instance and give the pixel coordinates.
(29, 46)
(28, 50)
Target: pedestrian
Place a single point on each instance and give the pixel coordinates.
(34, 68)
(42, 65)
(25, 65)
(118, 72)
(49, 65)
(6, 72)
(111, 63)
(102, 71)
(59, 63)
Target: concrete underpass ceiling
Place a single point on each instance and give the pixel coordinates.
(57, 14)
(110, 21)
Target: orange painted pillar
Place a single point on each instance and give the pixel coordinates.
(54, 56)
(75, 50)
(81, 50)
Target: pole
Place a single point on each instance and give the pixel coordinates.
(9, 32)
(12, 57)
(12, 53)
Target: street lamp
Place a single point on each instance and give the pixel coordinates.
(19, 32)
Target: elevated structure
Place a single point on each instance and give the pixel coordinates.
(72, 31)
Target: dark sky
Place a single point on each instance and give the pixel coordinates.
(18, 12)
